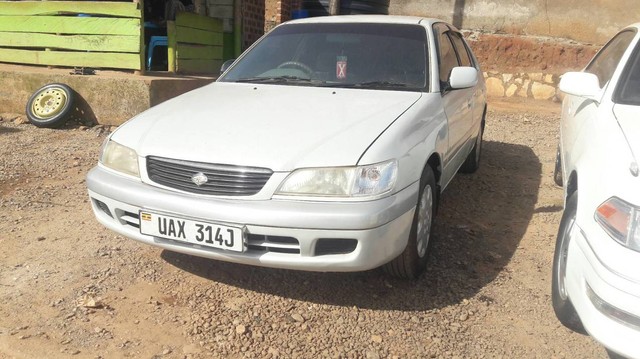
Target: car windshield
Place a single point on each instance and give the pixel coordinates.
(628, 90)
(354, 55)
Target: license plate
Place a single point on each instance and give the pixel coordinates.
(190, 231)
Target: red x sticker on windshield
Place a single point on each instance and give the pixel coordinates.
(341, 68)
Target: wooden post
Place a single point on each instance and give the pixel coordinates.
(172, 44)
(334, 7)
(142, 44)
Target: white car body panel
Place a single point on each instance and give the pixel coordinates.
(599, 141)
(627, 117)
(322, 119)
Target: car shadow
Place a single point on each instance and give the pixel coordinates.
(481, 220)
(4, 129)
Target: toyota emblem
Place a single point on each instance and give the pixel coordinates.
(199, 179)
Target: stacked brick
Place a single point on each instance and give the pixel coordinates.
(253, 14)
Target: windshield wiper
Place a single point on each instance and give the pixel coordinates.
(274, 79)
(370, 84)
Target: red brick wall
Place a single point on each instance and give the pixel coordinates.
(286, 7)
(279, 11)
(252, 21)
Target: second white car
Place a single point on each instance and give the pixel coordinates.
(596, 270)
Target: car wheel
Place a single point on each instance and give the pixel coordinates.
(472, 163)
(50, 105)
(614, 355)
(562, 306)
(557, 172)
(413, 260)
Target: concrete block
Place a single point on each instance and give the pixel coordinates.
(108, 98)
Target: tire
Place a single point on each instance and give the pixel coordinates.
(614, 355)
(565, 312)
(413, 260)
(50, 105)
(557, 172)
(472, 163)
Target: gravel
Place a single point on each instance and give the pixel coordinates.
(69, 287)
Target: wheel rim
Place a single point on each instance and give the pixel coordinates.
(562, 259)
(49, 103)
(425, 212)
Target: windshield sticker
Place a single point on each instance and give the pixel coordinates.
(341, 68)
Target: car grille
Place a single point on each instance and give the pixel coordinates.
(222, 180)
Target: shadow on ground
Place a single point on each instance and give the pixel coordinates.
(4, 130)
(481, 221)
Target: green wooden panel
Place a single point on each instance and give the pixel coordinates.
(195, 36)
(195, 21)
(62, 58)
(199, 66)
(199, 52)
(71, 25)
(103, 43)
(121, 9)
(228, 47)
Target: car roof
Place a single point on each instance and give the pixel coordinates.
(382, 19)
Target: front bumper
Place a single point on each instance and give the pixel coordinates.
(607, 302)
(280, 233)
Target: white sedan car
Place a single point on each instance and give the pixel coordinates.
(324, 147)
(596, 269)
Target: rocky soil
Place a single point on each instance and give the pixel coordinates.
(70, 288)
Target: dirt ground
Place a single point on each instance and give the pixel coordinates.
(70, 288)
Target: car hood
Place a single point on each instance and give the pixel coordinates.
(629, 119)
(273, 126)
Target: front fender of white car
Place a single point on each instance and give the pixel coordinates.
(601, 170)
(417, 134)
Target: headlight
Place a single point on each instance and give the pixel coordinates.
(620, 219)
(120, 158)
(370, 180)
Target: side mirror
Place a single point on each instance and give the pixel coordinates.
(226, 65)
(463, 77)
(581, 84)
